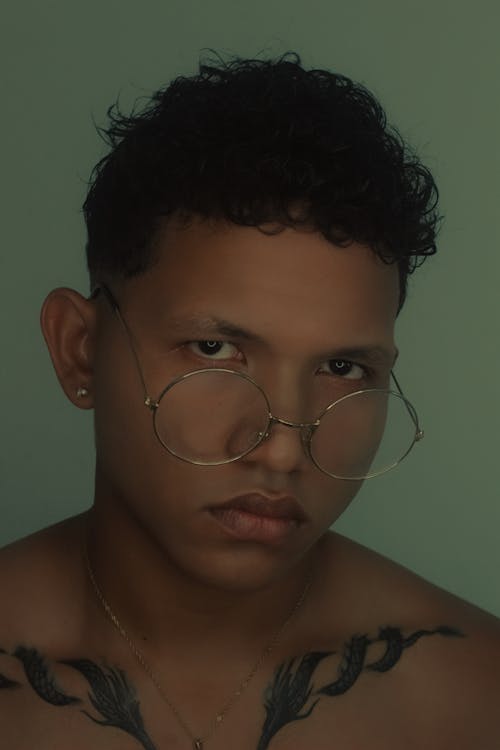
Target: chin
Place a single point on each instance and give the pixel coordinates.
(239, 568)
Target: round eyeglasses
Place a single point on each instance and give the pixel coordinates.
(214, 416)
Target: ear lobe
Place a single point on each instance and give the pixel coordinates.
(68, 322)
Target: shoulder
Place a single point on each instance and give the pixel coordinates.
(372, 585)
(455, 681)
(40, 582)
(439, 655)
(376, 590)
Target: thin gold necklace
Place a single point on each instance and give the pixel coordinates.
(198, 742)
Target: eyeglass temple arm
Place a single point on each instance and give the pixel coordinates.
(114, 306)
(409, 408)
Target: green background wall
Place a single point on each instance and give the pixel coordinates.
(435, 67)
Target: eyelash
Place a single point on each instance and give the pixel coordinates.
(367, 371)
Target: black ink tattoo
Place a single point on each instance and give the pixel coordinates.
(6, 683)
(38, 677)
(396, 644)
(288, 694)
(291, 696)
(351, 667)
(115, 700)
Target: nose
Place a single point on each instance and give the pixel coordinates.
(282, 449)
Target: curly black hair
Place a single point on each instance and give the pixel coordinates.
(255, 142)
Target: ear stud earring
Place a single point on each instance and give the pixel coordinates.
(82, 391)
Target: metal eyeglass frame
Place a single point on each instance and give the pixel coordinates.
(307, 428)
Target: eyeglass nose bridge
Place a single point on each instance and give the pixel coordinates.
(307, 430)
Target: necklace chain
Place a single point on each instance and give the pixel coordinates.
(198, 742)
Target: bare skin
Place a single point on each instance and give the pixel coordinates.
(441, 692)
(375, 657)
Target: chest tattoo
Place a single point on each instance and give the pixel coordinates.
(291, 696)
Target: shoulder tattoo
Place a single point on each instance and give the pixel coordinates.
(291, 696)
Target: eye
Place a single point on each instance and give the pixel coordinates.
(346, 369)
(210, 348)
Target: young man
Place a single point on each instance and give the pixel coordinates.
(249, 240)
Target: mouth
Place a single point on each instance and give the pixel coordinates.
(256, 517)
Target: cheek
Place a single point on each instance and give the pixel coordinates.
(133, 467)
(337, 496)
(325, 498)
(125, 442)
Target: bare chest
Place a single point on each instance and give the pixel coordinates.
(365, 694)
(375, 716)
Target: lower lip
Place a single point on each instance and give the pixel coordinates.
(250, 527)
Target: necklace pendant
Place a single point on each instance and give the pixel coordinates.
(198, 745)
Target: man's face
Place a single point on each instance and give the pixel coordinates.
(306, 301)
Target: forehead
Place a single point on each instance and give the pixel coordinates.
(292, 287)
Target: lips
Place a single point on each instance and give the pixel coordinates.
(282, 507)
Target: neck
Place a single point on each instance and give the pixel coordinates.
(162, 603)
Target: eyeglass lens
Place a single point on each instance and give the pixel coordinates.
(214, 417)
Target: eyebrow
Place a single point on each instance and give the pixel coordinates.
(211, 324)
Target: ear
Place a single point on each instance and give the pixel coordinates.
(68, 322)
